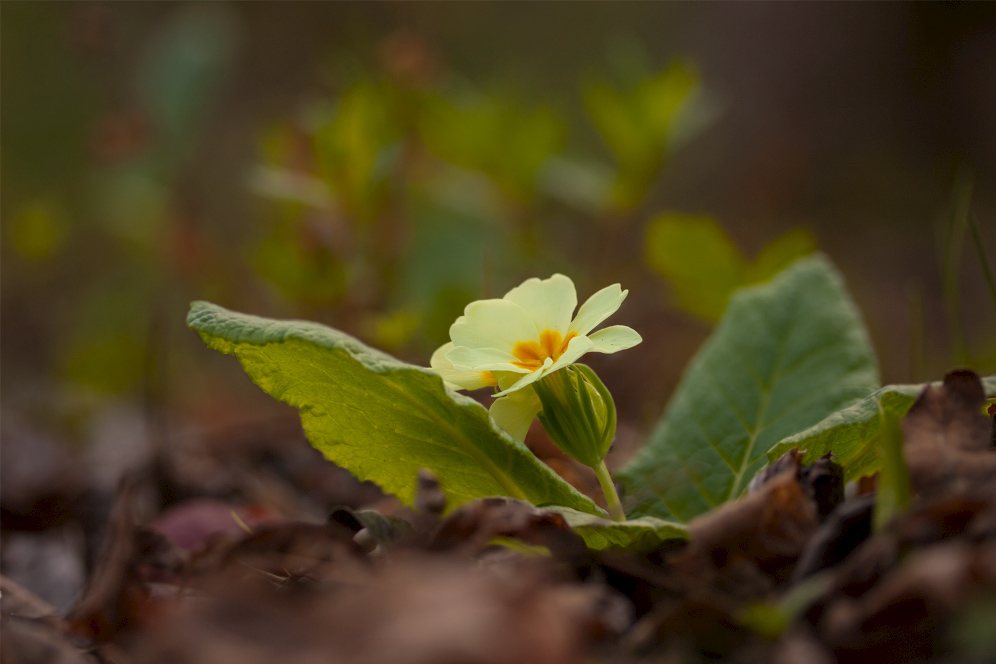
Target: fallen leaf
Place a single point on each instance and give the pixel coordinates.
(947, 444)
(901, 618)
(769, 527)
(114, 592)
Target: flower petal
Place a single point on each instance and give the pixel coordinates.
(597, 308)
(516, 412)
(462, 358)
(506, 380)
(550, 302)
(527, 379)
(577, 347)
(614, 338)
(493, 324)
(458, 380)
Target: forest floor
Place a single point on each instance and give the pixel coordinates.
(247, 547)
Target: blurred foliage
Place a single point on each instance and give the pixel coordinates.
(122, 221)
(391, 180)
(497, 137)
(396, 202)
(703, 265)
(356, 147)
(641, 123)
(38, 230)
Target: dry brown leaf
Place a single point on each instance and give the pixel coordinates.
(769, 528)
(947, 439)
(902, 618)
(417, 610)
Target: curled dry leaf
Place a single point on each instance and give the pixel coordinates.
(474, 526)
(115, 594)
(735, 555)
(823, 480)
(769, 528)
(845, 530)
(947, 439)
(898, 619)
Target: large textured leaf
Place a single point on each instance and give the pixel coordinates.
(850, 432)
(378, 417)
(785, 355)
(642, 534)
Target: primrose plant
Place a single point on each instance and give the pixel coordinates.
(384, 420)
(526, 345)
(788, 366)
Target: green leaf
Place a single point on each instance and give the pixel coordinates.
(642, 534)
(644, 122)
(494, 135)
(636, 123)
(785, 355)
(850, 432)
(779, 254)
(356, 148)
(698, 259)
(378, 417)
(892, 496)
(704, 266)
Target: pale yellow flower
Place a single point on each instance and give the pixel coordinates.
(530, 333)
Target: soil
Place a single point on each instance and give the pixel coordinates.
(248, 547)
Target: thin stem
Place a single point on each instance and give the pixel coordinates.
(951, 264)
(918, 332)
(609, 488)
(980, 250)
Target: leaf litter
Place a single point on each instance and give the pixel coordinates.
(241, 563)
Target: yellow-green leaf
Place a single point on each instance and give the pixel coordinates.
(380, 418)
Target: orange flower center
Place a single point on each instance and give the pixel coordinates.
(532, 354)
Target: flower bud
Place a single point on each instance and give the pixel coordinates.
(578, 413)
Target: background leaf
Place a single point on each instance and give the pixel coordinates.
(704, 266)
(496, 136)
(779, 254)
(641, 534)
(642, 122)
(378, 417)
(698, 259)
(850, 432)
(785, 355)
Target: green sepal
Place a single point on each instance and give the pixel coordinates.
(578, 413)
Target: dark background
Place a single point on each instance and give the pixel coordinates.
(126, 195)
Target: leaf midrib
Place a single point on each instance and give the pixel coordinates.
(465, 443)
(472, 450)
(762, 412)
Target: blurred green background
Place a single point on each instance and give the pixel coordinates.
(377, 166)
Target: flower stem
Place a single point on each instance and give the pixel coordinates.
(609, 488)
